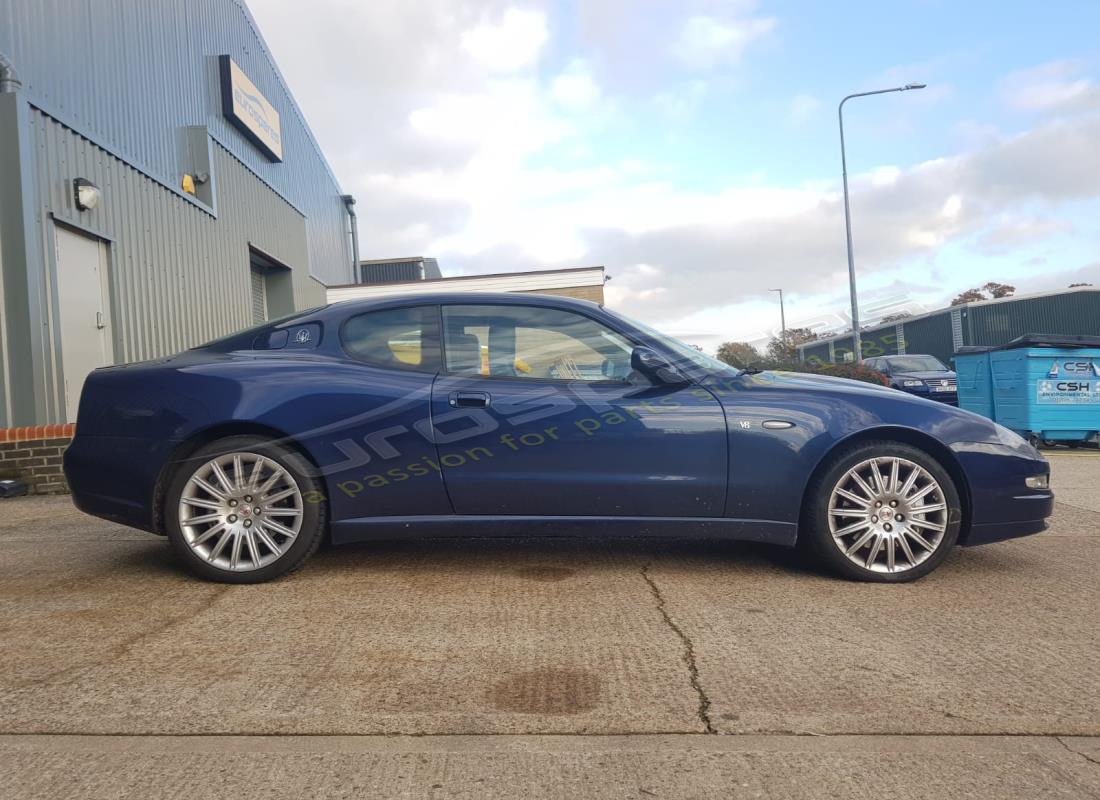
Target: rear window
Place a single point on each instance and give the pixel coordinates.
(394, 338)
(256, 337)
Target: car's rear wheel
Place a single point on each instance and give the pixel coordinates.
(883, 511)
(244, 510)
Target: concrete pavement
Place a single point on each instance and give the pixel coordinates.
(548, 668)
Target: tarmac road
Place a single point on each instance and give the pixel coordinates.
(548, 668)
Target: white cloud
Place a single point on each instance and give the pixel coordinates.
(509, 44)
(682, 103)
(1054, 86)
(1011, 231)
(803, 106)
(885, 176)
(705, 41)
(575, 88)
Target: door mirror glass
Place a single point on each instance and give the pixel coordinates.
(656, 367)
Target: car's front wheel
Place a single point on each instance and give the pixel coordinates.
(883, 511)
(244, 510)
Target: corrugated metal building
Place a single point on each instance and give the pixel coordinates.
(389, 270)
(987, 322)
(159, 187)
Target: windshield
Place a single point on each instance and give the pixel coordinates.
(685, 351)
(916, 364)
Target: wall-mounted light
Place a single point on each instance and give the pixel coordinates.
(86, 194)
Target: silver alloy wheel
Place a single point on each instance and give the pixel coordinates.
(887, 514)
(240, 511)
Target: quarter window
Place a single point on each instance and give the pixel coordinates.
(532, 342)
(394, 338)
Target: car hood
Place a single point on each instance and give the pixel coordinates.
(811, 381)
(936, 375)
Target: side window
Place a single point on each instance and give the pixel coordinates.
(394, 338)
(532, 342)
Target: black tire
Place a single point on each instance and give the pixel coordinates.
(819, 537)
(313, 511)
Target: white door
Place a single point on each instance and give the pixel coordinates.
(84, 309)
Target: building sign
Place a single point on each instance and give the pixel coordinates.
(245, 107)
(1067, 392)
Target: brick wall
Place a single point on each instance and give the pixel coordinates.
(34, 455)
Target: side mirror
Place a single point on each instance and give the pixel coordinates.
(656, 367)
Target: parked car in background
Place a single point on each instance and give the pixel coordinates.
(514, 415)
(922, 375)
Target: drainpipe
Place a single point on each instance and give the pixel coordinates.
(349, 202)
(9, 79)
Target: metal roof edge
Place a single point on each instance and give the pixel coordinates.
(993, 301)
(453, 278)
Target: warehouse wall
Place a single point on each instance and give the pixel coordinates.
(133, 75)
(931, 336)
(1075, 313)
(178, 275)
(1070, 313)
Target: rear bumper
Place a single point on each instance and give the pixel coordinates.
(114, 477)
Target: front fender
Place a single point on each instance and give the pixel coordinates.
(770, 468)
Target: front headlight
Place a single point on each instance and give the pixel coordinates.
(912, 384)
(1015, 441)
(1038, 481)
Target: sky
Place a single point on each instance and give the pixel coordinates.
(692, 149)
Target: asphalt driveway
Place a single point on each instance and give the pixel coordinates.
(505, 668)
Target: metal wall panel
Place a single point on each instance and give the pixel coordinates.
(816, 353)
(390, 272)
(880, 342)
(1070, 313)
(131, 75)
(930, 336)
(178, 276)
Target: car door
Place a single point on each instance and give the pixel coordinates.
(538, 412)
(380, 457)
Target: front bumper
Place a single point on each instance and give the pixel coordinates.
(1001, 504)
(999, 531)
(950, 398)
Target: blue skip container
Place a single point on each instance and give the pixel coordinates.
(1045, 388)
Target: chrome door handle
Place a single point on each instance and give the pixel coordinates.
(469, 399)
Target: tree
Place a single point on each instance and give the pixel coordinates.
(999, 289)
(898, 317)
(969, 296)
(738, 354)
(1075, 285)
(991, 290)
(784, 348)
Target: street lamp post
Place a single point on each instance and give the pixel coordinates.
(782, 313)
(857, 344)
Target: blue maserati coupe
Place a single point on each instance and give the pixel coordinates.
(496, 415)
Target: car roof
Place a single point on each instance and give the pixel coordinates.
(462, 298)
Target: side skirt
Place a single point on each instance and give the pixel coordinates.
(748, 530)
